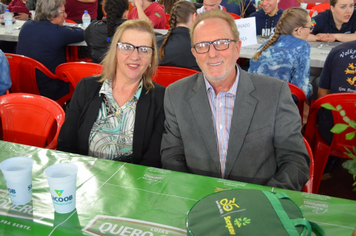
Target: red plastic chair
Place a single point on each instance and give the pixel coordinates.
(167, 21)
(72, 51)
(23, 75)
(320, 147)
(165, 75)
(30, 119)
(308, 187)
(319, 8)
(235, 16)
(302, 99)
(73, 72)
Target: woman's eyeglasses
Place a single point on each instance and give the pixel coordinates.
(310, 28)
(128, 49)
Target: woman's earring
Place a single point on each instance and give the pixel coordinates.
(149, 65)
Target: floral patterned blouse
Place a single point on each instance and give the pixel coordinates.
(111, 136)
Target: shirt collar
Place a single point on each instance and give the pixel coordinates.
(233, 88)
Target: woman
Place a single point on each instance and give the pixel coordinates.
(287, 54)
(267, 17)
(45, 40)
(120, 115)
(98, 34)
(175, 48)
(336, 24)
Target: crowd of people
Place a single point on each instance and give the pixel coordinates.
(223, 122)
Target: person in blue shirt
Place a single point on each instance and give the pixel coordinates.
(244, 9)
(267, 17)
(5, 80)
(336, 24)
(287, 54)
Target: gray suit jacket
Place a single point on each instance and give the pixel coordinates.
(265, 146)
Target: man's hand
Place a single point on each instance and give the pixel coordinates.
(22, 16)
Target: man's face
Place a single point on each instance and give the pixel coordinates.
(216, 65)
(211, 4)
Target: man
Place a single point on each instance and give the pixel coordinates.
(149, 11)
(227, 123)
(267, 17)
(209, 5)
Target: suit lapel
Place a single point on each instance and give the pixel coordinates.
(244, 109)
(199, 104)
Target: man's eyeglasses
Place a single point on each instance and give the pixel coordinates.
(128, 49)
(219, 45)
(61, 12)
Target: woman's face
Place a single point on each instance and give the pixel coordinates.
(342, 11)
(132, 64)
(306, 29)
(270, 7)
(59, 20)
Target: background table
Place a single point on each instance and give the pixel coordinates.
(113, 194)
(318, 51)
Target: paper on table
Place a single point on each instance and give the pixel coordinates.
(247, 30)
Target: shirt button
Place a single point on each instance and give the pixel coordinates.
(221, 104)
(221, 126)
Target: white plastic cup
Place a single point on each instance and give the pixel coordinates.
(18, 176)
(62, 185)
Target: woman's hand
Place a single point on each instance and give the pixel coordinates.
(22, 16)
(328, 38)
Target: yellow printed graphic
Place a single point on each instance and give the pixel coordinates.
(351, 70)
(229, 225)
(228, 205)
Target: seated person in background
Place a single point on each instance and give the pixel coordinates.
(175, 49)
(45, 40)
(267, 18)
(286, 55)
(31, 4)
(5, 80)
(244, 9)
(338, 76)
(75, 9)
(18, 7)
(168, 4)
(3, 5)
(150, 11)
(119, 115)
(209, 5)
(98, 34)
(336, 24)
(230, 124)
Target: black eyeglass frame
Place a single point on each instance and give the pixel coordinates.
(228, 41)
(135, 47)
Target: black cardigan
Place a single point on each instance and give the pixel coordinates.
(83, 110)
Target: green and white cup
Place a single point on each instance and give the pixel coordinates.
(17, 172)
(62, 185)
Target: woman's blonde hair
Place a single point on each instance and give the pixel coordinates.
(110, 60)
(291, 18)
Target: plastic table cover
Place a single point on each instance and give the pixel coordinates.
(115, 198)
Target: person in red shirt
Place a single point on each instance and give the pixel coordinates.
(19, 7)
(149, 11)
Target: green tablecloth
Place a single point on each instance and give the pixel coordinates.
(115, 198)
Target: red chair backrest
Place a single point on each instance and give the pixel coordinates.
(167, 21)
(302, 99)
(235, 16)
(165, 75)
(319, 8)
(23, 75)
(30, 119)
(308, 187)
(321, 149)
